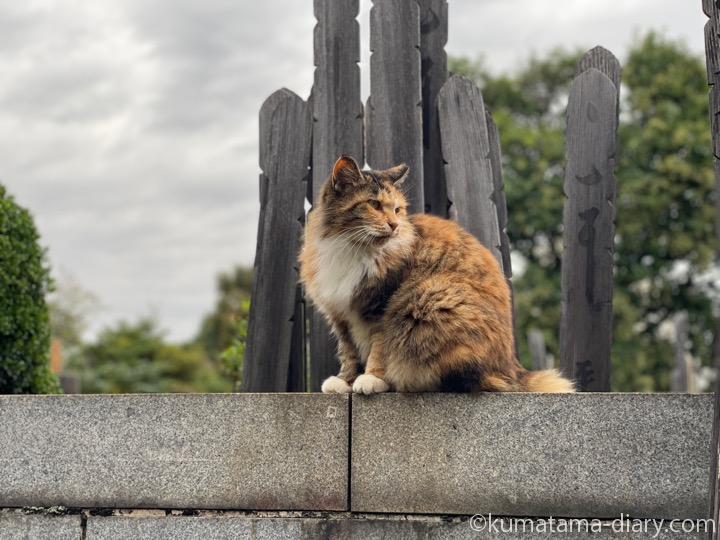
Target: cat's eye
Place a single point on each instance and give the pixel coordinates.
(397, 209)
(375, 204)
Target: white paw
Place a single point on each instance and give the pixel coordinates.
(335, 385)
(369, 384)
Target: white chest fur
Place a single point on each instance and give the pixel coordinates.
(340, 270)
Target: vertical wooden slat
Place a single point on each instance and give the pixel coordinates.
(682, 379)
(498, 196)
(394, 111)
(589, 230)
(605, 62)
(337, 130)
(468, 168)
(712, 58)
(285, 141)
(434, 73)
(502, 214)
(538, 352)
(297, 368)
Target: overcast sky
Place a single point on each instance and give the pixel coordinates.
(129, 127)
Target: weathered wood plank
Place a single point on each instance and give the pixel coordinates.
(434, 73)
(323, 359)
(712, 58)
(498, 196)
(502, 214)
(682, 378)
(468, 168)
(297, 368)
(337, 130)
(602, 60)
(538, 352)
(285, 143)
(337, 104)
(394, 110)
(589, 230)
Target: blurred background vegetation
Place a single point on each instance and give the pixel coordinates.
(665, 241)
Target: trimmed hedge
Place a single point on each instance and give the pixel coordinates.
(24, 318)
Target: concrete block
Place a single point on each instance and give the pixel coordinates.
(571, 455)
(16, 525)
(192, 528)
(373, 528)
(243, 451)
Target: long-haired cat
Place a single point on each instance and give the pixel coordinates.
(416, 302)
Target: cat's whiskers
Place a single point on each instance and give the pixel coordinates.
(345, 240)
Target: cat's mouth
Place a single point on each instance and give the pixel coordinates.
(383, 237)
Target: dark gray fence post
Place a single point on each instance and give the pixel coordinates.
(468, 168)
(337, 130)
(498, 196)
(589, 230)
(394, 110)
(682, 378)
(712, 57)
(434, 73)
(473, 173)
(538, 352)
(285, 140)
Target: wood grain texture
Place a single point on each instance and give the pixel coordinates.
(498, 196)
(502, 214)
(323, 360)
(602, 60)
(538, 352)
(712, 58)
(589, 230)
(285, 145)
(337, 130)
(337, 105)
(681, 378)
(468, 168)
(297, 368)
(434, 73)
(394, 111)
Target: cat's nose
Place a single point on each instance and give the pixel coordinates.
(393, 224)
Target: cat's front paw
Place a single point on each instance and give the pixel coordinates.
(335, 385)
(369, 384)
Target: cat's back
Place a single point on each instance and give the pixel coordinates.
(444, 242)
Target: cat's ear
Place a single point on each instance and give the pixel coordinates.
(398, 174)
(346, 172)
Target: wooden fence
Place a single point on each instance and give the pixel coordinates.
(435, 122)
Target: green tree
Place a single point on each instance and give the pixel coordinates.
(24, 321)
(664, 240)
(220, 329)
(233, 357)
(134, 358)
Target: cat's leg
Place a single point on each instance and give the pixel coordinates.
(349, 357)
(373, 380)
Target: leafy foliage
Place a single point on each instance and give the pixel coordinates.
(220, 329)
(664, 235)
(24, 321)
(134, 358)
(233, 357)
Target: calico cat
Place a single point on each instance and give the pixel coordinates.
(415, 300)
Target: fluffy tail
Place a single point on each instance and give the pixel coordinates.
(548, 380)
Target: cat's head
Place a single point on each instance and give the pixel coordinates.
(366, 206)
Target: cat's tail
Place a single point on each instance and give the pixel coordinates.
(549, 380)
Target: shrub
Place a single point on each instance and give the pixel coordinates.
(24, 319)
